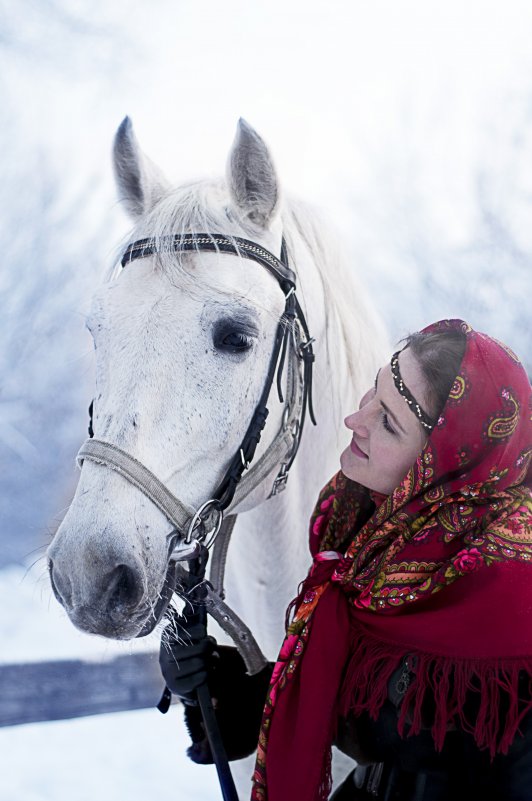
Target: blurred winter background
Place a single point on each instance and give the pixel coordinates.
(408, 121)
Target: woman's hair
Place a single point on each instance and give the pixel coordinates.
(439, 356)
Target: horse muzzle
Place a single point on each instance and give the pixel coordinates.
(113, 602)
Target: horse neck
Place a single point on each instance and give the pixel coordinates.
(269, 553)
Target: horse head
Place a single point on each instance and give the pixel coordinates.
(183, 343)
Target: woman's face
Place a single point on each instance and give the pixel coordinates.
(387, 436)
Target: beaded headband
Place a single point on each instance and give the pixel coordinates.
(425, 419)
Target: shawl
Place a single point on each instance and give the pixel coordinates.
(438, 573)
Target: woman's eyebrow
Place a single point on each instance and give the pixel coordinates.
(389, 411)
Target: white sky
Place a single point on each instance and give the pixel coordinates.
(335, 87)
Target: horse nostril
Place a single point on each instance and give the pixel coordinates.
(125, 588)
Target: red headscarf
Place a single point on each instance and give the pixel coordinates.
(440, 571)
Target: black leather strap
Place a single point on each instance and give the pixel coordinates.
(215, 243)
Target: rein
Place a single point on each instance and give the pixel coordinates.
(193, 529)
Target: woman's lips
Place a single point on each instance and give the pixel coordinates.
(357, 451)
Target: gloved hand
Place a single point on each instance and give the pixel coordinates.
(238, 700)
(185, 667)
(187, 653)
(195, 659)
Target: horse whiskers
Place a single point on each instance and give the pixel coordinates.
(170, 636)
(34, 550)
(172, 624)
(42, 582)
(32, 565)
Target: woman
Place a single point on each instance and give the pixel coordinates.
(411, 639)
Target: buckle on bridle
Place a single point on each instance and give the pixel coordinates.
(280, 481)
(304, 352)
(200, 518)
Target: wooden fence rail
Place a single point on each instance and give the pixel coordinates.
(74, 688)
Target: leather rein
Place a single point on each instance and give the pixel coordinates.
(207, 525)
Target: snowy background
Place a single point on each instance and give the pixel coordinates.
(408, 121)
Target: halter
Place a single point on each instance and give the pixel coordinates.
(195, 527)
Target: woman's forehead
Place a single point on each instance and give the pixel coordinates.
(414, 380)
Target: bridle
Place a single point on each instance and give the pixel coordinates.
(206, 525)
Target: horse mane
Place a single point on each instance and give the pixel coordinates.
(351, 322)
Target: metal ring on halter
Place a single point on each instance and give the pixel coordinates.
(199, 517)
(212, 535)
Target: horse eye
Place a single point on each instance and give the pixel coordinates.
(232, 337)
(233, 342)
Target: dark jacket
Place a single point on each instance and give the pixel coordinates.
(396, 768)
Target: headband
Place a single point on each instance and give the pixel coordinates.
(425, 419)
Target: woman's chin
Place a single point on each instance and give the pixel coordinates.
(347, 466)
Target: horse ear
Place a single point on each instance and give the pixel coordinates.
(140, 182)
(251, 176)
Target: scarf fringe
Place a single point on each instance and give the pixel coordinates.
(442, 684)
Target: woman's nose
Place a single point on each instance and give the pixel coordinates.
(357, 422)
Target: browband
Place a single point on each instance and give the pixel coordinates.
(216, 243)
(425, 419)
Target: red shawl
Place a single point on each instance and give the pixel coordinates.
(440, 570)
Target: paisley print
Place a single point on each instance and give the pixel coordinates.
(502, 426)
(434, 494)
(459, 390)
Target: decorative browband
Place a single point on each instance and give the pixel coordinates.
(215, 243)
(425, 419)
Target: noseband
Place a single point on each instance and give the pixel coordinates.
(292, 339)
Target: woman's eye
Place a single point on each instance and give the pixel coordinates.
(386, 423)
(233, 342)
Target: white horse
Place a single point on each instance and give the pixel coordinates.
(183, 345)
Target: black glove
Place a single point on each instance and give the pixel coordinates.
(238, 701)
(187, 667)
(237, 698)
(186, 651)
(194, 659)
